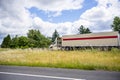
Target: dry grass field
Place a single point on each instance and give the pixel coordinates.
(82, 59)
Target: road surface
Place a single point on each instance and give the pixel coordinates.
(38, 73)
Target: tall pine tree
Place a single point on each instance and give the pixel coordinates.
(6, 42)
(55, 35)
(83, 30)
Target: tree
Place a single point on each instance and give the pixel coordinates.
(14, 42)
(83, 30)
(6, 42)
(116, 24)
(36, 39)
(88, 30)
(33, 34)
(23, 42)
(55, 35)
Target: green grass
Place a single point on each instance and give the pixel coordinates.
(83, 59)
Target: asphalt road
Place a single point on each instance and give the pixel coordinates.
(38, 73)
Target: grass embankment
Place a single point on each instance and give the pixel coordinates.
(84, 59)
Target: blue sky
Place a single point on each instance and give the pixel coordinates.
(66, 16)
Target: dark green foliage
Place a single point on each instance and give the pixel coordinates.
(88, 30)
(116, 24)
(34, 34)
(14, 42)
(6, 42)
(37, 39)
(32, 43)
(55, 35)
(34, 39)
(23, 42)
(83, 30)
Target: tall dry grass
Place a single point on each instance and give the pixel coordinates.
(83, 59)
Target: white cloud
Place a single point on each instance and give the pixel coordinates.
(15, 19)
(48, 28)
(102, 15)
(55, 5)
(65, 28)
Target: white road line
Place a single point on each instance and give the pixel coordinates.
(42, 76)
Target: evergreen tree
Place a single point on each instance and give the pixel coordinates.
(83, 30)
(55, 35)
(88, 30)
(116, 24)
(6, 42)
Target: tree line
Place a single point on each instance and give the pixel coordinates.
(35, 39)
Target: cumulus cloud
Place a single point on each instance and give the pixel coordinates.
(48, 28)
(15, 18)
(55, 5)
(101, 16)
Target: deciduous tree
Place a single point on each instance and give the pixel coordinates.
(116, 24)
(14, 42)
(37, 39)
(23, 42)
